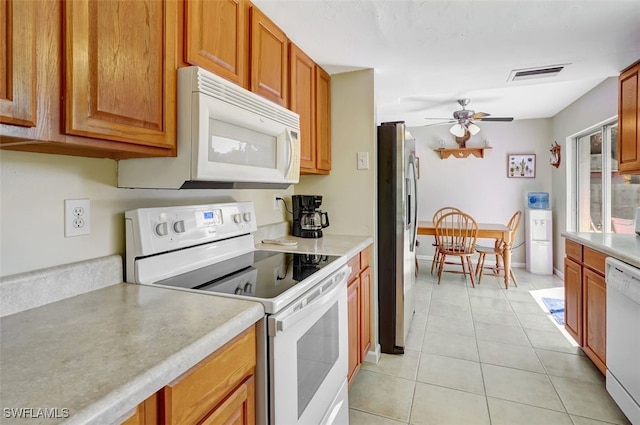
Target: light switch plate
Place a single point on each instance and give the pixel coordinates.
(363, 160)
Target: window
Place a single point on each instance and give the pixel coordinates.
(605, 200)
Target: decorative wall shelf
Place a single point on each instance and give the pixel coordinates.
(462, 152)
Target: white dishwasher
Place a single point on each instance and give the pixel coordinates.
(623, 337)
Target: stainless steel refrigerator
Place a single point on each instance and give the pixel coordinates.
(397, 231)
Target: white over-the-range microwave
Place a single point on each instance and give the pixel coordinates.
(228, 137)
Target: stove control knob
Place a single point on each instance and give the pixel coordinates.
(178, 226)
(246, 216)
(237, 218)
(162, 229)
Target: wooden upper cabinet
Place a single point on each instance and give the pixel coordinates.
(120, 70)
(302, 100)
(323, 121)
(18, 62)
(269, 45)
(629, 121)
(216, 33)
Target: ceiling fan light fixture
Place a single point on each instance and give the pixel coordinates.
(457, 130)
(473, 129)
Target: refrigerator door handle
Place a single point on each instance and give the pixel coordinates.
(407, 188)
(414, 233)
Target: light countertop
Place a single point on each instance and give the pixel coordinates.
(621, 246)
(101, 353)
(342, 245)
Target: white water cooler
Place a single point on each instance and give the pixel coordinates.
(539, 241)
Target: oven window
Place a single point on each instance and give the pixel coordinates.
(231, 144)
(317, 353)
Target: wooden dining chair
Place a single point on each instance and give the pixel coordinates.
(456, 234)
(498, 250)
(436, 217)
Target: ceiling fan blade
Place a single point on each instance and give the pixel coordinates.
(437, 123)
(479, 115)
(499, 119)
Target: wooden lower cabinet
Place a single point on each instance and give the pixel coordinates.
(146, 413)
(573, 299)
(595, 318)
(585, 291)
(221, 386)
(359, 311)
(218, 390)
(353, 304)
(365, 313)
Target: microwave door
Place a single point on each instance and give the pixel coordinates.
(237, 145)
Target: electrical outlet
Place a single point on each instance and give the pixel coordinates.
(277, 202)
(77, 217)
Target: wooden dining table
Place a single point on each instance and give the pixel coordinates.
(485, 230)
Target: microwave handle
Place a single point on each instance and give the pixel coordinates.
(290, 149)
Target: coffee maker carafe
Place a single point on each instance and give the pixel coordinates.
(308, 220)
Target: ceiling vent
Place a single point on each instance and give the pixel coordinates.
(539, 72)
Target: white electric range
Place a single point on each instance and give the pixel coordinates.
(302, 347)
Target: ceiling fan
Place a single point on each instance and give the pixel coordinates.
(464, 120)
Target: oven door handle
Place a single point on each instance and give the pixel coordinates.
(318, 298)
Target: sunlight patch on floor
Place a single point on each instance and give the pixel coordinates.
(558, 292)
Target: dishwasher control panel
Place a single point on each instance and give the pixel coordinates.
(623, 277)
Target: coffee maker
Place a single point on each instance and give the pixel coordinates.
(308, 220)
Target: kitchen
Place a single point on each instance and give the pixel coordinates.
(353, 110)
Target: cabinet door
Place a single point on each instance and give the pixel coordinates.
(365, 313)
(146, 413)
(269, 76)
(323, 121)
(18, 62)
(302, 101)
(353, 301)
(215, 37)
(204, 390)
(573, 299)
(629, 122)
(595, 318)
(238, 408)
(120, 74)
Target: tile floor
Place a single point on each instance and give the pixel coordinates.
(482, 355)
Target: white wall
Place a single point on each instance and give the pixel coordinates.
(349, 194)
(480, 186)
(598, 105)
(33, 190)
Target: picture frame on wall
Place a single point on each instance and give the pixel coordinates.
(521, 166)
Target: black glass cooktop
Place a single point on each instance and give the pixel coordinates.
(258, 274)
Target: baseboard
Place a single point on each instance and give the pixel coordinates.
(373, 356)
(559, 273)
